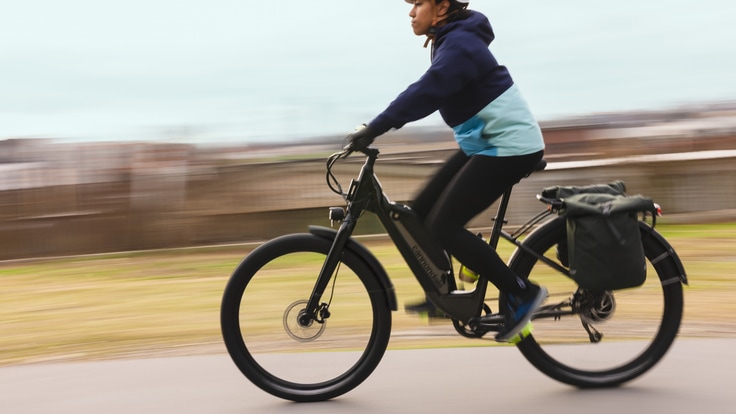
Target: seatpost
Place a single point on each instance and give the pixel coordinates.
(500, 219)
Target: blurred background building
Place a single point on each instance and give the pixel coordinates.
(76, 198)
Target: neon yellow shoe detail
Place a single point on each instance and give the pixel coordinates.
(525, 331)
(467, 275)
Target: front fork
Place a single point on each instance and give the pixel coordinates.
(316, 311)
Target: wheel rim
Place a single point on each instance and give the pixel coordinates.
(298, 361)
(637, 325)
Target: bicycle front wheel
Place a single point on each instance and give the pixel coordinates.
(588, 339)
(276, 351)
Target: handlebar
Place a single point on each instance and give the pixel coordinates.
(332, 182)
(350, 148)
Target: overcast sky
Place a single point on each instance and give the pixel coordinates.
(136, 69)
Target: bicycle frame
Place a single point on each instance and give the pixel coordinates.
(431, 266)
(251, 342)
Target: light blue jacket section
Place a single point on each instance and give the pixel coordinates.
(504, 128)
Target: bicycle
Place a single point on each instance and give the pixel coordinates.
(297, 296)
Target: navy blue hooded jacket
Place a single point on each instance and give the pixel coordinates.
(474, 94)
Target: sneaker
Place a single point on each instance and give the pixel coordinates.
(519, 313)
(426, 309)
(525, 331)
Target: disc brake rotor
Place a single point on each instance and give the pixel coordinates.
(296, 329)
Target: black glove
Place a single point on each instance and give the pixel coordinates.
(361, 138)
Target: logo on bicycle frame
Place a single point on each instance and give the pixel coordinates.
(436, 274)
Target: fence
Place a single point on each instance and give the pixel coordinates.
(120, 197)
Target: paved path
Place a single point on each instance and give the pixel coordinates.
(698, 375)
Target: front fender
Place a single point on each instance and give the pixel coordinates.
(370, 260)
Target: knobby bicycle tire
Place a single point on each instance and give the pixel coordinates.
(656, 311)
(260, 308)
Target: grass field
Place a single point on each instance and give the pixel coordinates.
(167, 302)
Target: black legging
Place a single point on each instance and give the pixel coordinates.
(463, 188)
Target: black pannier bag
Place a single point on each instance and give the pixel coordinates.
(603, 249)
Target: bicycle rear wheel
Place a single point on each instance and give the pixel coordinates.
(261, 306)
(605, 339)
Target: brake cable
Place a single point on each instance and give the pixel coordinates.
(332, 181)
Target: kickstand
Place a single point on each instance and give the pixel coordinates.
(593, 334)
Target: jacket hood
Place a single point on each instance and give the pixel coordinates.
(475, 24)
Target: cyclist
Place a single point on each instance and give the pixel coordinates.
(499, 143)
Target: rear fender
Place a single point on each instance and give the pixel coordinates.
(665, 255)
